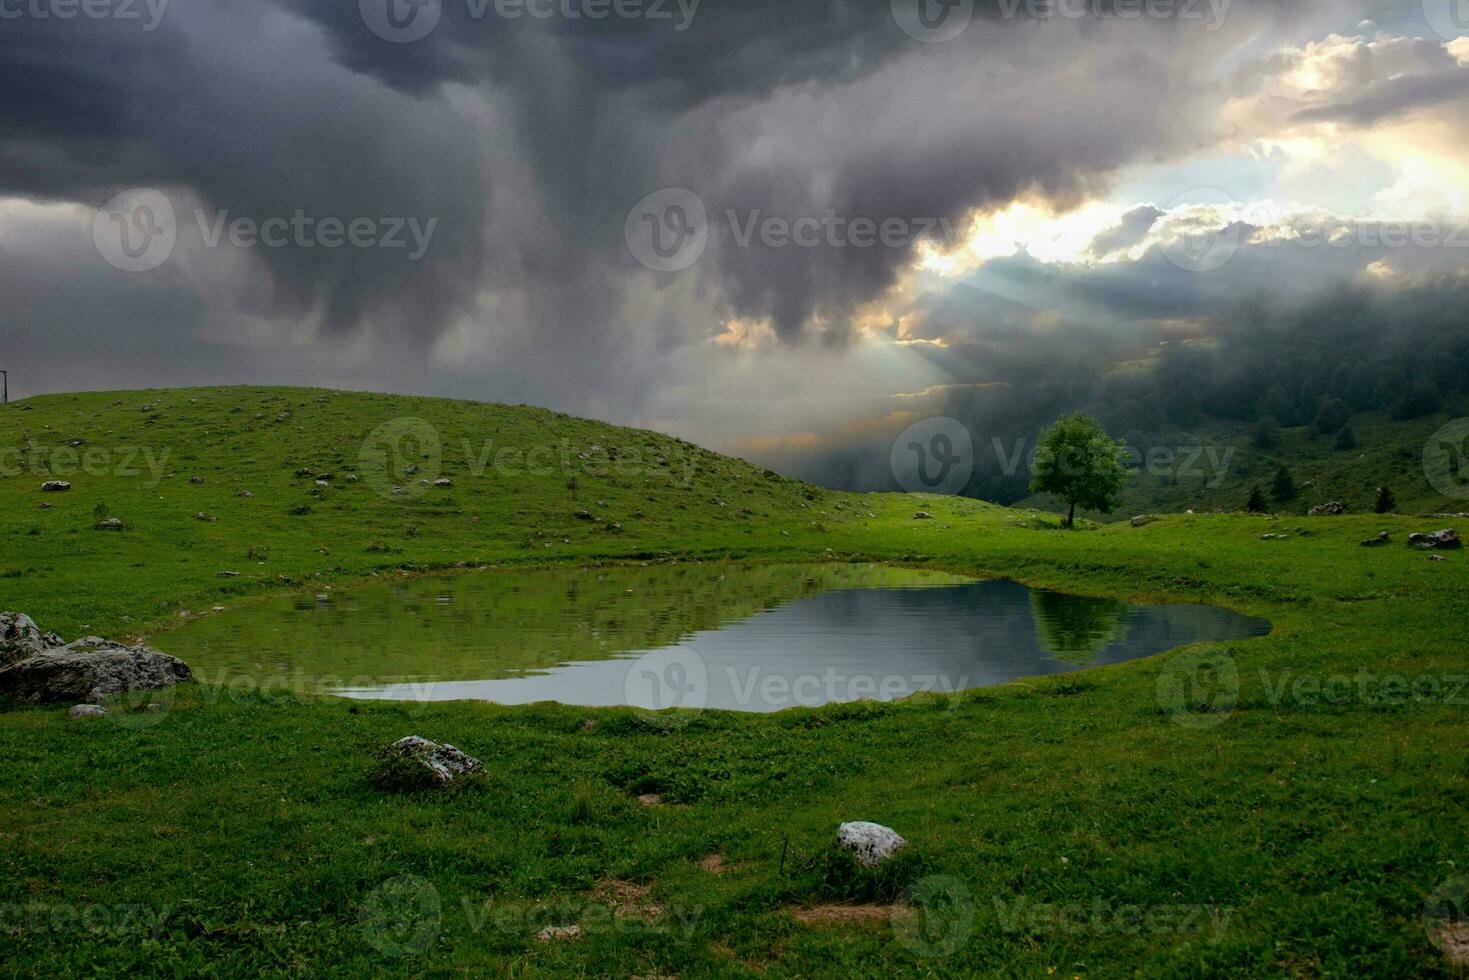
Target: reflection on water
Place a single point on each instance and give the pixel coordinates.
(1076, 627)
(753, 638)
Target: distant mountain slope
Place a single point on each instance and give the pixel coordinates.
(1213, 468)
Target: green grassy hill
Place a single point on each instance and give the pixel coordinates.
(1283, 806)
(528, 485)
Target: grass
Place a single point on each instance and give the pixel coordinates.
(1293, 822)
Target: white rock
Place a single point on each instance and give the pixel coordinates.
(445, 761)
(86, 711)
(870, 844)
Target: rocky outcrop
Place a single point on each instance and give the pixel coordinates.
(20, 638)
(870, 844)
(1333, 509)
(90, 669)
(416, 763)
(39, 668)
(55, 486)
(87, 711)
(1445, 540)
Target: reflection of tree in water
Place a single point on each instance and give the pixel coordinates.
(1075, 627)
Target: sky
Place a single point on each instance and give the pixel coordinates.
(766, 226)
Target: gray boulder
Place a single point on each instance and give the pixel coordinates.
(1333, 509)
(55, 486)
(443, 763)
(88, 669)
(86, 711)
(870, 844)
(111, 524)
(1445, 540)
(20, 638)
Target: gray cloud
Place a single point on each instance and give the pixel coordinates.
(529, 141)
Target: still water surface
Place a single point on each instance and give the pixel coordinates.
(741, 637)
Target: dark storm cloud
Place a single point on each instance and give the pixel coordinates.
(1131, 230)
(528, 141)
(232, 105)
(1393, 97)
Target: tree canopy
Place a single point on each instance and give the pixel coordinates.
(1078, 462)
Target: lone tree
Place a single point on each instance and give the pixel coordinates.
(1078, 462)
(1256, 503)
(1386, 502)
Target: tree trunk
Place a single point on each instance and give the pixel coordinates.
(1071, 517)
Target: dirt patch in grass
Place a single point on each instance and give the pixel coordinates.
(821, 915)
(1455, 942)
(626, 898)
(656, 799)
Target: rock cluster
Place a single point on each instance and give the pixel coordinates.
(38, 667)
(1445, 540)
(1333, 509)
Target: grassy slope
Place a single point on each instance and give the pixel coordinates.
(1389, 453)
(1324, 826)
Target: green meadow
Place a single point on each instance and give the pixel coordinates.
(1292, 805)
